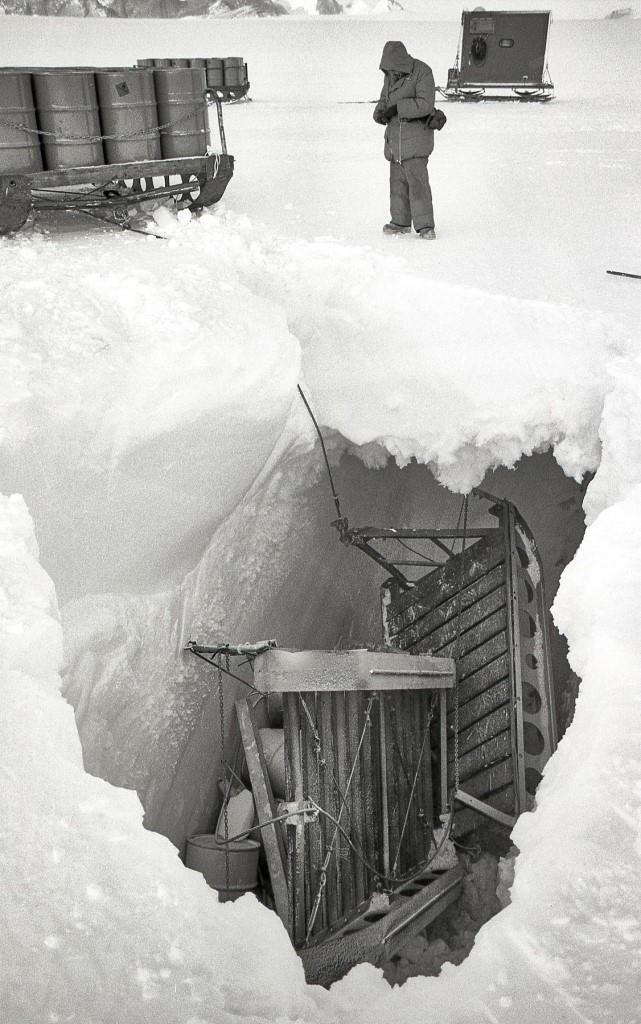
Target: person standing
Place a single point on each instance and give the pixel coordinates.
(406, 103)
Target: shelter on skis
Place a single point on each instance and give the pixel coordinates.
(501, 55)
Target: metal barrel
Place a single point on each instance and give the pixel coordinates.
(68, 117)
(19, 139)
(128, 114)
(197, 62)
(234, 70)
(162, 62)
(215, 72)
(145, 62)
(183, 111)
(180, 62)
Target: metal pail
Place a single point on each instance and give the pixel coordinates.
(207, 855)
(234, 70)
(215, 73)
(182, 108)
(68, 116)
(128, 114)
(19, 139)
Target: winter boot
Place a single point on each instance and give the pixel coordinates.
(428, 233)
(395, 229)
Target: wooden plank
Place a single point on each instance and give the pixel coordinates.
(354, 725)
(344, 853)
(370, 768)
(484, 678)
(483, 704)
(484, 729)
(295, 833)
(284, 671)
(481, 757)
(330, 802)
(489, 651)
(465, 821)
(138, 169)
(315, 843)
(485, 808)
(491, 779)
(446, 614)
(265, 805)
(443, 751)
(471, 624)
(395, 781)
(383, 777)
(484, 630)
(439, 586)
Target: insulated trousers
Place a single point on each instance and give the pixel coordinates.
(410, 193)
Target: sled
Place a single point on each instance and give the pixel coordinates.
(501, 56)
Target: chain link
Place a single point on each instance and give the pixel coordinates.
(149, 134)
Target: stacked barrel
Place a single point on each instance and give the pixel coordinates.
(227, 74)
(53, 118)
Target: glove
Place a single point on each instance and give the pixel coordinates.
(391, 112)
(379, 116)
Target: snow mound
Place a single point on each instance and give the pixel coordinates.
(115, 923)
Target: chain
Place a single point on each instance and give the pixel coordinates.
(149, 134)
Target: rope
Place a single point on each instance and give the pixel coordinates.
(320, 437)
(137, 134)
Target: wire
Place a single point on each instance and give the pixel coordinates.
(320, 437)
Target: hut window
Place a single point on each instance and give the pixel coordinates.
(506, 42)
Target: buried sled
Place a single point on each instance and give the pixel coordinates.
(387, 757)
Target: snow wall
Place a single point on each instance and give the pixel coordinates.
(151, 421)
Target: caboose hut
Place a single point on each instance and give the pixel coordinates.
(502, 55)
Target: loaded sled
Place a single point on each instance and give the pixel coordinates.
(104, 142)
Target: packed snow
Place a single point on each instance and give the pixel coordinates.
(151, 424)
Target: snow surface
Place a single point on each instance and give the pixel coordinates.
(150, 419)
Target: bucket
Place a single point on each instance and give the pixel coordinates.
(207, 855)
(234, 70)
(215, 73)
(128, 108)
(20, 146)
(67, 106)
(181, 105)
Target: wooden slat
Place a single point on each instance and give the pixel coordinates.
(485, 809)
(471, 625)
(438, 587)
(265, 806)
(329, 802)
(495, 749)
(295, 833)
(491, 779)
(441, 623)
(343, 850)
(483, 679)
(483, 730)
(315, 830)
(482, 655)
(354, 725)
(483, 704)
(370, 767)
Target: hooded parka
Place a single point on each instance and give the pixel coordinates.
(407, 135)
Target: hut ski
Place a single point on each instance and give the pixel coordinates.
(502, 55)
(392, 754)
